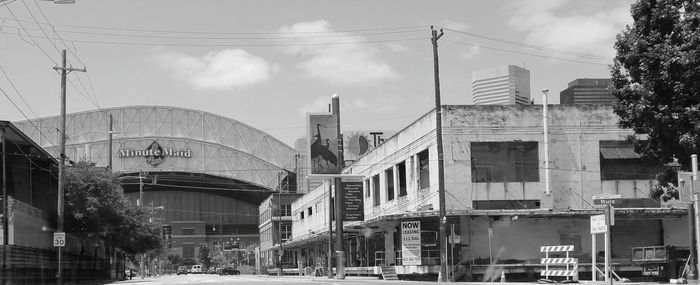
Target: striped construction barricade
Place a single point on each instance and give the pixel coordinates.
(560, 266)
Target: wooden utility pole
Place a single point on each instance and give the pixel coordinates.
(111, 130)
(62, 154)
(339, 203)
(441, 170)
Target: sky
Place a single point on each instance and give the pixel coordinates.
(267, 63)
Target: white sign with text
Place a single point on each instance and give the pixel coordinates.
(410, 243)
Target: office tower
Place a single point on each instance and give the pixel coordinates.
(501, 85)
(588, 91)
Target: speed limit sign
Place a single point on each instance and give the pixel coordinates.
(59, 239)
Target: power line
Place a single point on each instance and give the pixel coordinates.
(524, 53)
(291, 36)
(234, 33)
(566, 52)
(17, 91)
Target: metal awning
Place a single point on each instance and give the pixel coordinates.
(619, 152)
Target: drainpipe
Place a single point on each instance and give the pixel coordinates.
(547, 189)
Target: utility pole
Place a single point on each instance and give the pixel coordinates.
(111, 130)
(139, 202)
(339, 203)
(330, 232)
(62, 155)
(279, 222)
(694, 169)
(441, 167)
(5, 226)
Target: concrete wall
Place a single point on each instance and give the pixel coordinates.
(574, 153)
(317, 199)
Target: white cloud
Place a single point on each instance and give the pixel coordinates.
(319, 105)
(470, 52)
(220, 70)
(396, 47)
(450, 24)
(581, 26)
(350, 62)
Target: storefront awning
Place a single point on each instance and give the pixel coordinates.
(619, 152)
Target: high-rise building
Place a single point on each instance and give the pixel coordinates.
(588, 91)
(501, 85)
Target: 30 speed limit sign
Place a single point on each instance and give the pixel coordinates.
(59, 239)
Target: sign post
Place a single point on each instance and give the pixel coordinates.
(609, 200)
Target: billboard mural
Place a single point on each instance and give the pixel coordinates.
(323, 143)
(359, 142)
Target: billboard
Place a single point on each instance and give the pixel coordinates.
(322, 131)
(359, 142)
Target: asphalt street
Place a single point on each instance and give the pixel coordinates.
(205, 279)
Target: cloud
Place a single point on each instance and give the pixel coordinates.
(337, 57)
(581, 26)
(219, 70)
(319, 105)
(396, 47)
(470, 52)
(449, 24)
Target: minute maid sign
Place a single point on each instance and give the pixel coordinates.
(154, 153)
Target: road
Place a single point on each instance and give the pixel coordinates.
(205, 279)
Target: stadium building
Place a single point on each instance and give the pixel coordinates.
(203, 176)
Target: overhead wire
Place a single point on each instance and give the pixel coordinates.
(525, 53)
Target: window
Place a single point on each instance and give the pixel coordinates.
(375, 191)
(367, 188)
(188, 250)
(424, 169)
(301, 215)
(505, 162)
(389, 184)
(187, 231)
(310, 209)
(286, 210)
(401, 168)
(618, 161)
(286, 232)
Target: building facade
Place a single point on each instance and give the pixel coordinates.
(275, 226)
(501, 85)
(202, 175)
(497, 208)
(588, 91)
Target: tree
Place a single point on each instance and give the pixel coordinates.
(96, 208)
(204, 255)
(656, 78)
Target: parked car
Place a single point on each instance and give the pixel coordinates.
(196, 269)
(218, 270)
(211, 270)
(182, 270)
(228, 270)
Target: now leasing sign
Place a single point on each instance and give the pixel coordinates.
(410, 243)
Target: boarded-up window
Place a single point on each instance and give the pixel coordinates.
(375, 192)
(389, 184)
(505, 162)
(424, 169)
(619, 161)
(402, 178)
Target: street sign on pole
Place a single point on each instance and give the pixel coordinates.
(59, 239)
(598, 224)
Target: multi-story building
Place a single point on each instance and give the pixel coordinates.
(497, 206)
(501, 85)
(275, 225)
(588, 91)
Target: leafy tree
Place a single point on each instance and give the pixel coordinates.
(96, 208)
(656, 75)
(204, 255)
